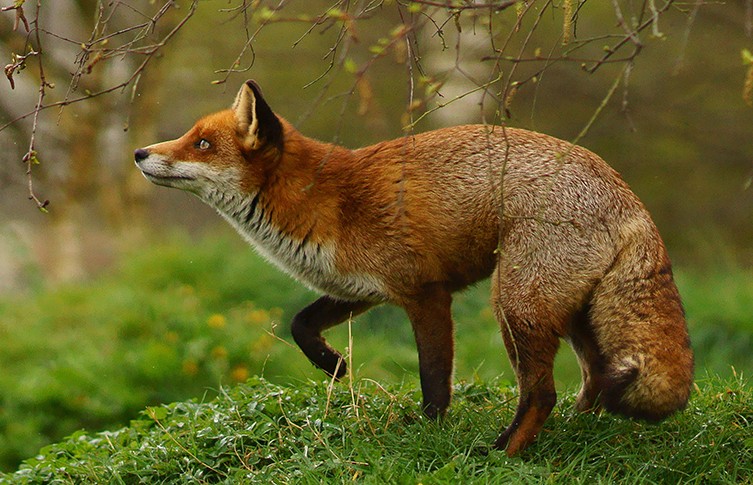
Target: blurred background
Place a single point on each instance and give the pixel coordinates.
(123, 294)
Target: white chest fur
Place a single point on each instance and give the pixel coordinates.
(311, 263)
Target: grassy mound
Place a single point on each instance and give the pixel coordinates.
(188, 318)
(259, 432)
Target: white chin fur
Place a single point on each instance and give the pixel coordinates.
(195, 177)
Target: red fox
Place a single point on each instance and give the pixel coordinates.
(572, 253)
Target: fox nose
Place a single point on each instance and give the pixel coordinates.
(140, 154)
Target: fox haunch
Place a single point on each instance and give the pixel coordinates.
(571, 251)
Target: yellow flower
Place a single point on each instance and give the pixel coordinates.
(217, 321)
(262, 343)
(257, 316)
(190, 368)
(219, 352)
(239, 373)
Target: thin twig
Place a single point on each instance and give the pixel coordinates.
(497, 7)
(615, 48)
(686, 36)
(152, 51)
(30, 158)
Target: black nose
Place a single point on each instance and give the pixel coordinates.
(140, 154)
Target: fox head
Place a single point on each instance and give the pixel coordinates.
(223, 154)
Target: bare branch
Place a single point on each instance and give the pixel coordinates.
(686, 35)
(629, 38)
(148, 52)
(514, 50)
(30, 158)
(468, 5)
(20, 17)
(86, 63)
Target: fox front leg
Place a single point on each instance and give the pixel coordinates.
(309, 323)
(430, 316)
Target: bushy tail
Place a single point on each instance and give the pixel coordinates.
(644, 387)
(639, 324)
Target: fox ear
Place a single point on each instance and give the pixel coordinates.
(257, 123)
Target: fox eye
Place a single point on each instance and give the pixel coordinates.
(202, 144)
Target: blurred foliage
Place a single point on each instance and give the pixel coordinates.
(675, 129)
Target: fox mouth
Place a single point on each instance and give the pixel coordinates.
(156, 170)
(176, 181)
(154, 176)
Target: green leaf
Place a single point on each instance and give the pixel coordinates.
(336, 13)
(156, 412)
(265, 13)
(747, 57)
(350, 66)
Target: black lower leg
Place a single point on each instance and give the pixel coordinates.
(429, 313)
(309, 323)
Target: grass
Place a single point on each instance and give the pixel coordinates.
(190, 319)
(259, 432)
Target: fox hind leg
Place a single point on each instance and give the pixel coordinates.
(532, 357)
(531, 347)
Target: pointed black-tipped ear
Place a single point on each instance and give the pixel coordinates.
(256, 120)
